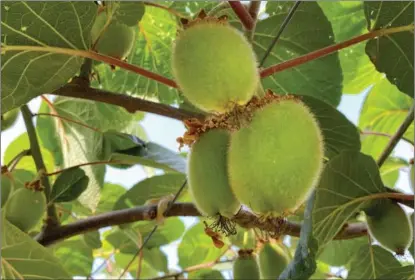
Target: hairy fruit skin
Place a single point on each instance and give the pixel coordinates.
(214, 66)
(272, 261)
(284, 145)
(391, 227)
(245, 268)
(208, 177)
(7, 186)
(25, 208)
(116, 40)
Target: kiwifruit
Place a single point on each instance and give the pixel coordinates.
(244, 238)
(245, 266)
(25, 208)
(113, 39)
(390, 226)
(276, 159)
(7, 186)
(208, 177)
(9, 118)
(214, 66)
(272, 261)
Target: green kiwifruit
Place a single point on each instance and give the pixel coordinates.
(25, 208)
(9, 118)
(245, 267)
(208, 177)
(275, 161)
(7, 186)
(390, 226)
(272, 261)
(214, 66)
(244, 238)
(114, 39)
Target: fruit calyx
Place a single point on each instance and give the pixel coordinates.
(202, 17)
(240, 116)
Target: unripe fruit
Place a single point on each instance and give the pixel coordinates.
(390, 226)
(272, 261)
(7, 186)
(244, 239)
(245, 267)
(208, 177)
(116, 40)
(25, 208)
(214, 66)
(9, 118)
(283, 145)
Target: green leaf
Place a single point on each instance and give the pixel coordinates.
(324, 83)
(22, 176)
(384, 110)
(304, 263)
(81, 144)
(411, 248)
(155, 156)
(69, 185)
(338, 132)
(392, 54)
(370, 262)
(151, 188)
(147, 271)
(344, 184)
(75, 256)
(21, 143)
(24, 75)
(156, 258)
(340, 252)
(92, 239)
(152, 51)
(130, 13)
(109, 196)
(348, 21)
(196, 247)
(24, 258)
(206, 274)
(399, 273)
(390, 170)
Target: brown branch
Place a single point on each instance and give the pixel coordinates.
(242, 14)
(331, 49)
(131, 104)
(253, 9)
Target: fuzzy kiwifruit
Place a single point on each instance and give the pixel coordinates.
(272, 261)
(276, 159)
(25, 208)
(214, 66)
(245, 266)
(208, 177)
(7, 186)
(114, 39)
(390, 226)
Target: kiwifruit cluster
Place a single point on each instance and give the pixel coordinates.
(24, 206)
(263, 152)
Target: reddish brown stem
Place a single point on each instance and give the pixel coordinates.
(68, 120)
(82, 164)
(242, 14)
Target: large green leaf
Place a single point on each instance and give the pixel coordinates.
(69, 185)
(308, 30)
(392, 54)
(21, 143)
(399, 273)
(75, 256)
(151, 188)
(304, 263)
(147, 270)
(81, 144)
(390, 170)
(27, 74)
(348, 21)
(370, 262)
(196, 247)
(384, 110)
(24, 258)
(152, 51)
(206, 274)
(110, 194)
(346, 180)
(338, 132)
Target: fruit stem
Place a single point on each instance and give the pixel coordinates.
(253, 10)
(333, 48)
(396, 137)
(68, 120)
(95, 56)
(15, 160)
(243, 14)
(52, 220)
